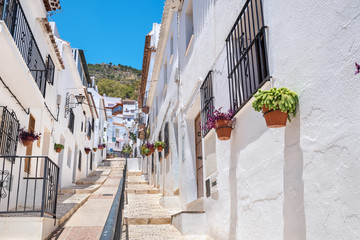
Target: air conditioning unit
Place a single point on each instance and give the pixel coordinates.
(211, 186)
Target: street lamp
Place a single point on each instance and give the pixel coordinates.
(79, 100)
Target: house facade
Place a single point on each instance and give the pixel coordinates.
(262, 183)
(43, 89)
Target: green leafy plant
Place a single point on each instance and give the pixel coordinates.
(276, 98)
(57, 146)
(159, 144)
(144, 150)
(127, 149)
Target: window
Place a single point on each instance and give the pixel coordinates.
(71, 121)
(79, 163)
(207, 102)
(166, 139)
(246, 55)
(50, 70)
(9, 131)
(89, 130)
(92, 124)
(91, 161)
(189, 24)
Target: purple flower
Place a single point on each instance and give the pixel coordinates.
(217, 115)
(357, 68)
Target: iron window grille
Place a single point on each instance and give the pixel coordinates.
(71, 121)
(91, 161)
(15, 19)
(92, 124)
(9, 132)
(246, 55)
(207, 102)
(89, 130)
(50, 70)
(166, 139)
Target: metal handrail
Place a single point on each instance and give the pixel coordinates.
(113, 226)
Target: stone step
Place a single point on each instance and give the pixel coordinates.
(134, 173)
(149, 220)
(92, 180)
(142, 191)
(68, 204)
(80, 189)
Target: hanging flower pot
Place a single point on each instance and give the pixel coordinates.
(58, 147)
(145, 110)
(276, 105)
(94, 149)
(27, 137)
(87, 150)
(223, 129)
(149, 153)
(159, 146)
(274, 118)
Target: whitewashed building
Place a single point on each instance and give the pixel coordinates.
(43, 88)
(296, 182)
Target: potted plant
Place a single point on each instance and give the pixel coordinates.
(87, 150)
(145, 150)
(27, 137)
(151, 147)
(58, 147)
(94, 149)
(145, 110)
(159, 145)
(221, 122)
(276, 104)
(141, 134)
(100, 146)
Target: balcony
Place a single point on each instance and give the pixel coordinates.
(28, 185)
(20, 50)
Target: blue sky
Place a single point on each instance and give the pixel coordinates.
(109, 30)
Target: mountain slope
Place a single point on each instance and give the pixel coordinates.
(116, 80)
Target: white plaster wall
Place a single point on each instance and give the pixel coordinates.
(297, 182)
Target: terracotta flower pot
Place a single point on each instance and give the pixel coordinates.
(145, 110)
(152, 150)
(160, 148)
(223, 129)
(148, 154)
(274, 118)
(87, 151)
(58, 150)
(94, 149)
(27, 141)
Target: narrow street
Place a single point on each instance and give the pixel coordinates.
(89, 220)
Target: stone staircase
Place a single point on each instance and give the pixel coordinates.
(145, 217)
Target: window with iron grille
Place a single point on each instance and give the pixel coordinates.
(9, 131)
(89, 130)
(92, 124)
(246, 55)
(207, 102)
(91, 161)
(79, 163)
(71, 121)
(152, 162)
(160, 140)
(50, 70)
(166, 139)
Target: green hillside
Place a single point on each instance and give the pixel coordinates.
(116, 80)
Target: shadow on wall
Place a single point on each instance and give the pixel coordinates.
(293, 211)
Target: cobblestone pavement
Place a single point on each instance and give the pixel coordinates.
(88, 221)
(146, 218)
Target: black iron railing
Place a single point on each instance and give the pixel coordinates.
(207, 102)
(246, 55)
(114, 224)
(28, 184)
(14, 17)
(9, 132)
(166, 139)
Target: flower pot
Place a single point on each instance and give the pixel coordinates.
(27, 141)
(223, 129)
(274, 118)
(58, 150)
(148, 154)
(160, 148)
(94, 149)
(145, 110)
(152, 150)
(87, 151)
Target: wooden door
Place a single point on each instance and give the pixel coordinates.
(29, 148)
(199, 158)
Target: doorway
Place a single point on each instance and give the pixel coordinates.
(199, 158)
(30, 147)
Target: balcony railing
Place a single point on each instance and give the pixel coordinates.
(14, 17)
(207, 102)
(246, 55)
(28, 184)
